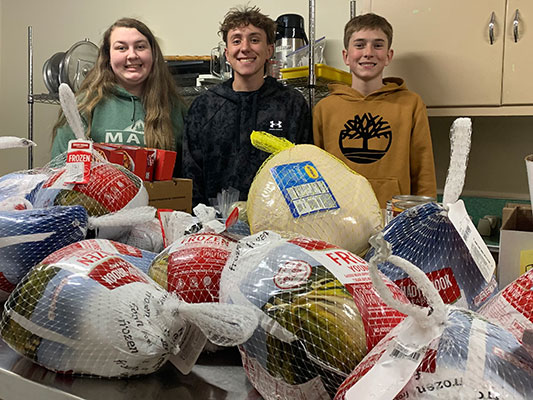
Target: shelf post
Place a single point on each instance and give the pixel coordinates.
(312, 76)
(30, 96)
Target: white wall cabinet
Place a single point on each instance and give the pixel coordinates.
(446, 52)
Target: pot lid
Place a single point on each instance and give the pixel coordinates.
(77, 63)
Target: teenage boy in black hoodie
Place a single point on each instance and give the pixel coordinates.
(217, 152)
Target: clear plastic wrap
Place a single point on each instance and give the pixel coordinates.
(318, 313)
(512, 307)
(425, 236)
(192, 265)
(438, 352)
(88, 310)
(28, 236)
(441, 239)
(306, 191)
(111, 190)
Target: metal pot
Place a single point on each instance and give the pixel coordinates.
(51, 72)
(77, 63)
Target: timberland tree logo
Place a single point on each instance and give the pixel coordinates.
(365, 139)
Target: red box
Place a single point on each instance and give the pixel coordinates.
(134, 158)
(164, 164)
(109, 153)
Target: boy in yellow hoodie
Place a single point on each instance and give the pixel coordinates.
(377, 127)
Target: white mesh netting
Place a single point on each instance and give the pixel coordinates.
(512, 307)
(28, 236)
(318, 312)
(307, 191)
(450, 353)
(87, 309)
(192, 265)
(425, 236)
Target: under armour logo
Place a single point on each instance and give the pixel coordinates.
(276, 125)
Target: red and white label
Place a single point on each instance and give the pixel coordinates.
(352, 271)
(114, 272)
(78, 163)
(195, 264)
(86, 247)
(443, 280)
(292, 274)
(110, 187)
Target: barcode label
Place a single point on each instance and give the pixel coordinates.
(400, 354)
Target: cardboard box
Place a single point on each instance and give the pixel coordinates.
(175, 194)
(516, 243)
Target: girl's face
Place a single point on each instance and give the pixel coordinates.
(130, 58)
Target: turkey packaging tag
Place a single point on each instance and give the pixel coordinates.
(192, 342)
(473, 240)
(78, 164)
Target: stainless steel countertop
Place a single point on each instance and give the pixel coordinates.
(217, 375)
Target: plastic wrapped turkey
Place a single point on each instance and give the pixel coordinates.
(302, 189)
(441, 240)
(438, 352)
(87, 309)
(27, 236)
(512, 308)
(192, 265)
(319, 314)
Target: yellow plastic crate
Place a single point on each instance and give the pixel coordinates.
(324, 74)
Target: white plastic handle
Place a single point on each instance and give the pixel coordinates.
(70, 109)
(426, 317)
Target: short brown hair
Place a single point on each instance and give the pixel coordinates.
(243, 16)
(364, 22)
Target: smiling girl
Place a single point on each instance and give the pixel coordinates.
(129, 97)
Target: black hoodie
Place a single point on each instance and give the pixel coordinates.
(217, 152)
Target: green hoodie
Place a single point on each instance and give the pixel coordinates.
(120, 119)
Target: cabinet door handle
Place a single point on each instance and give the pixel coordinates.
(516, 22)
(491, 28)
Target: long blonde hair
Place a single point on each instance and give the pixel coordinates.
(159, 96)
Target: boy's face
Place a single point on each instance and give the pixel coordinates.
(368, 54)
(247, 51)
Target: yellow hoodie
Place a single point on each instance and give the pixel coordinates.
(383, 136)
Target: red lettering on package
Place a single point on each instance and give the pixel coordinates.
(443, 280)
(520, 295)
(115, 272)
(194, 268)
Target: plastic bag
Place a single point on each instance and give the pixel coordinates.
(28, 236)
(191, 266)
(318, 313)
(303, 190)
(438, 352)
(88, 310)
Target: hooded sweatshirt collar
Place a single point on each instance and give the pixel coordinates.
(389, 85)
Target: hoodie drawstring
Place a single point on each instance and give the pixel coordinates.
(133, 112)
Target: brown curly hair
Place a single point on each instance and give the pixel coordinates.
(238, 17)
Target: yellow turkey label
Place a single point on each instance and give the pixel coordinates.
(304, 188)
